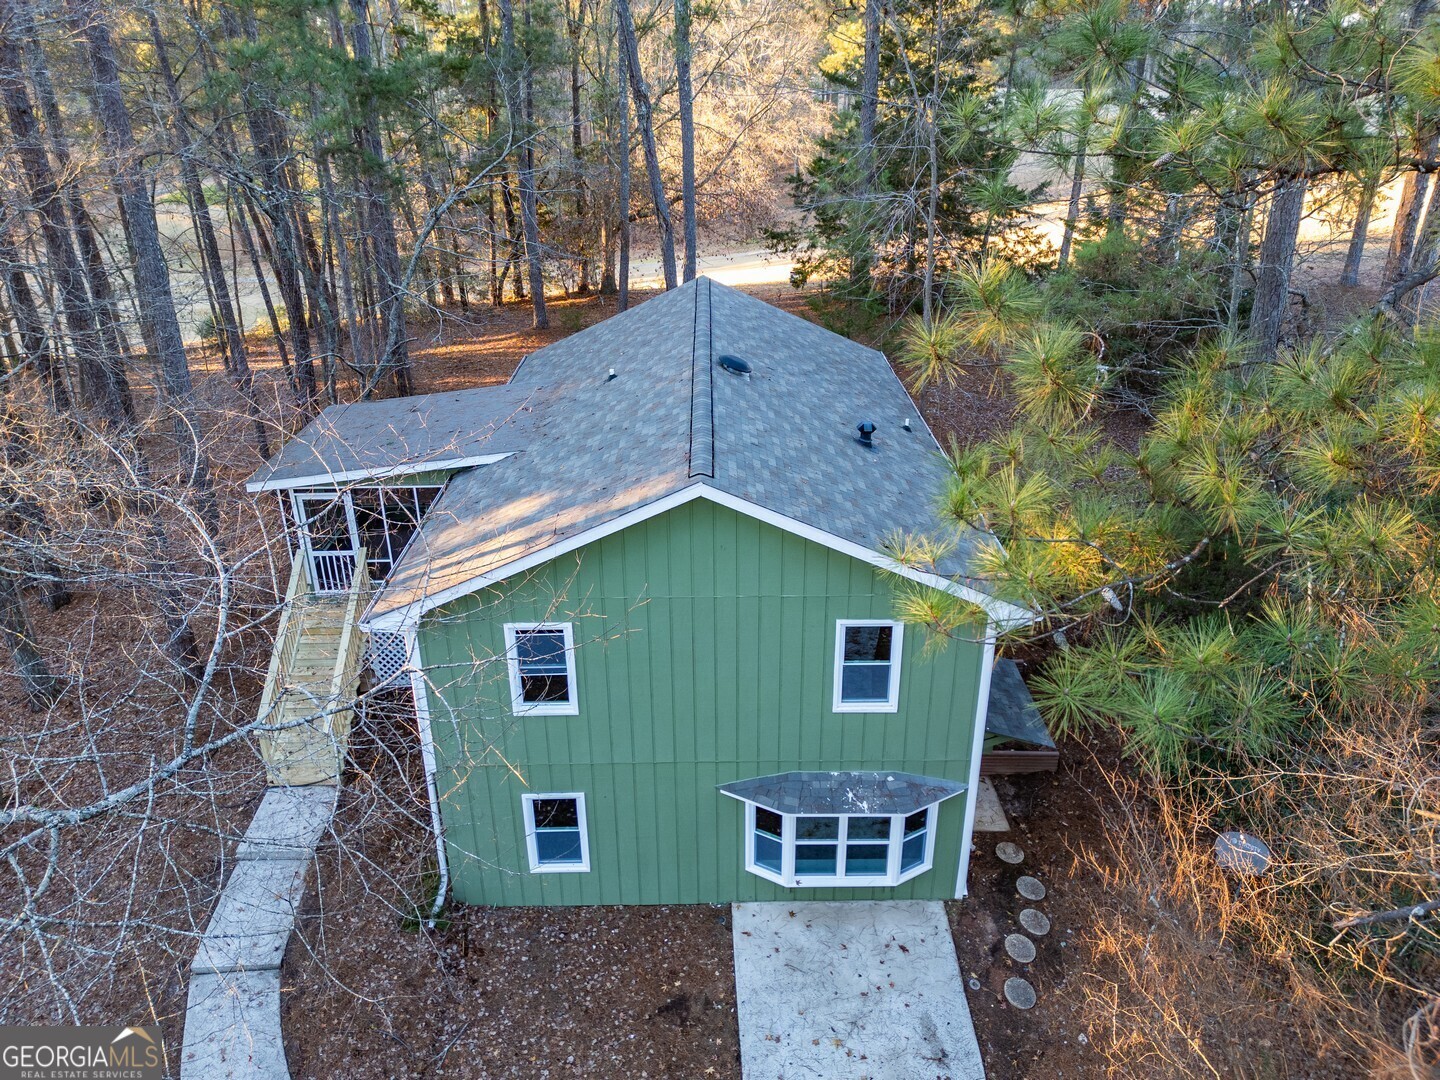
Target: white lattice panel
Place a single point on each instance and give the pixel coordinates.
(385, 656)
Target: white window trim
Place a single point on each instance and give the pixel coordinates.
(527, 802)
(897, 645)
(512, 663)
(787, 876)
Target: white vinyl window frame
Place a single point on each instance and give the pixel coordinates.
(897, 642)
(520, 707)
(894, 875)
(527, 805)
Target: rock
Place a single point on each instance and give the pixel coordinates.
(1242, 853)
(1020, 948)
(1035, 922)
(1009, 853)
(1020, 993)
(1030, 888)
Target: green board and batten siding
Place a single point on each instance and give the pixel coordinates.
(705, 654)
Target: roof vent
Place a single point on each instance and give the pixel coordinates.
(735, 365)
(867, 434)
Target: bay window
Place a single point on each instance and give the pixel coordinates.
(836, 850)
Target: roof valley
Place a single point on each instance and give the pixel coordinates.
(702, 393)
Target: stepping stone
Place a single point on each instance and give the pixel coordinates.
(1009, 853)
(1035, 922)
(1030, 888)
(1020, 993)
(1020, 948)
(989, 814)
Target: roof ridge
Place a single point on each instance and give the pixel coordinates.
(702, 391)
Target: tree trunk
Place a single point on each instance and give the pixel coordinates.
(529, 198)
(30, 324)
(152, 276)
(622, 301)
(577, 146)
(107, 309)
(239, 212)
(683, 18)
(1277, 260)
(1350, 273)
(100, 389)
(396, 360)
(866, 165)
(1407, 225)
(41, 687)
(229, 326)
(628, 42)
(520, 105)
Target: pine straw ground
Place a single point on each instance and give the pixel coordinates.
(648, 991)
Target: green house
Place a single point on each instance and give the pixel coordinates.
(643, 599)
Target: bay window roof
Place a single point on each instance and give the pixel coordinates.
(884, 792)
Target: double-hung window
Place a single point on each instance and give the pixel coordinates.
(837, 850)
(867, 665)
(541, 659)
(555, 834)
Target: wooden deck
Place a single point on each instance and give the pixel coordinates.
(310, 688)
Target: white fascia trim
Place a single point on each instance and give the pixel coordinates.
(380, 473)
(427, 757)
(977, 750)
(1003, 614)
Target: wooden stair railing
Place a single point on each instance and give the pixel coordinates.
(309, 696)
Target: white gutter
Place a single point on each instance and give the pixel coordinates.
(427, 756)
(977, 749)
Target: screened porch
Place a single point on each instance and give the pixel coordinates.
(334, 526)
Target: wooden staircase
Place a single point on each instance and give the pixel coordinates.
(309, 697)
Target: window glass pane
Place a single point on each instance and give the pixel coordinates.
(768, 821)
(815, 860)
(538, 689)
(817, 828)
(867, 860)
(868, 642)
(558, 846)
(868, 828)
(912, 852)
(916, 821)
(767, 852)
(865, 682)
(540, 650)
(556, 813)
(327, 525)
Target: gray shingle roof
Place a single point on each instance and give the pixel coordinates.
(1012, 712)
(401, 434)
(782, 437)
(844, 792)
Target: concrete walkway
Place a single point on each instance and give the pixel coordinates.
(232, 1018)
(869, 989)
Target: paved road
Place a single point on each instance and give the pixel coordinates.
(735, 268)
(843, 991)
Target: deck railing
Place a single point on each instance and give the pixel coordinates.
(335, 570)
